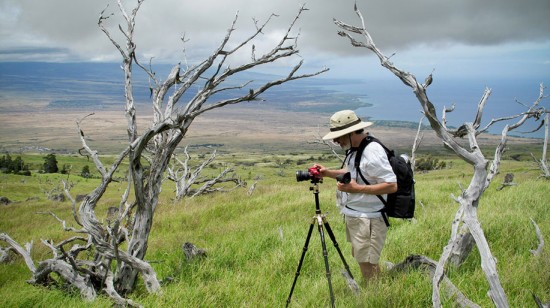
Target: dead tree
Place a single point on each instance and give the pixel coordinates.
(484, 171)
(114, 268)
(172, 121)
(318, 139)
(181, 174)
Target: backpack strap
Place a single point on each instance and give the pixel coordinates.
(357, 162)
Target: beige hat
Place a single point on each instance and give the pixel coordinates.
(344, 122)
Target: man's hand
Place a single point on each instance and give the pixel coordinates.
(351, 187)
(326, 172)
(322, 169)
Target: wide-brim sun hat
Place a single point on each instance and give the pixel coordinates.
(344, 122)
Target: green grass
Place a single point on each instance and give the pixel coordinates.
(254, 242)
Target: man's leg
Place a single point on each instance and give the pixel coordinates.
(370, 271)
(368, 241)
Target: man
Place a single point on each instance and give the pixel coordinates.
(365, 226)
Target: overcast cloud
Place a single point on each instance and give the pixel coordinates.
(432, 32)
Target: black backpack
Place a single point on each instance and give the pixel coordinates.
(401, 203)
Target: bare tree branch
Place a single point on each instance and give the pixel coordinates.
(185, 179)
(23, 252)
(319, 140)
(63, 223)
(65, 270)
(417, 140)
(543, 162)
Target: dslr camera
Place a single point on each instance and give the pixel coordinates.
(312, 174)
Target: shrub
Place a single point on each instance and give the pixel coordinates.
(429, 163)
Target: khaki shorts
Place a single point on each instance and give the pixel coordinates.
(367, 237)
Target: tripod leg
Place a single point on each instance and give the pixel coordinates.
(333, 238)
(301, 261)
(325, 256)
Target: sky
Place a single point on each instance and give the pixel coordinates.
(463, 37)
(482, 40)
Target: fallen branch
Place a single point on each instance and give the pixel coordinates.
(537, 251)
(23, 252)
(109, 289)
(69, 274)
(426, 264)
(251, 188)
(5, 254)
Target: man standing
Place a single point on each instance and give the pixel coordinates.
(365, 226)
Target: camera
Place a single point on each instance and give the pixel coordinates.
(344, 178)
(312, 174)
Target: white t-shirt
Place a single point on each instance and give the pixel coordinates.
(376, 168)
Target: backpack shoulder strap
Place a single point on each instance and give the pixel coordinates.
(389, 152)
(361, 149)
(358, 156)
(357, 162)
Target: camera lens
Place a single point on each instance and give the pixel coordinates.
(302, 176)
(344, 178)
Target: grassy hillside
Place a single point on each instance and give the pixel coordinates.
(254, 242)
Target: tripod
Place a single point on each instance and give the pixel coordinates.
(321, 221)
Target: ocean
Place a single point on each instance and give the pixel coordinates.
(391, 100)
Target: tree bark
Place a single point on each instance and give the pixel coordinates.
(462, 246)
(69, 274)
(25, 253)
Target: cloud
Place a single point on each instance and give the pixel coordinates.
(468, 37)
(395, 24)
